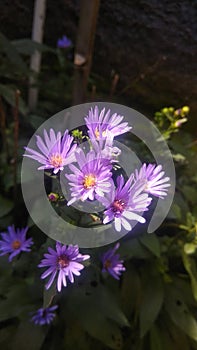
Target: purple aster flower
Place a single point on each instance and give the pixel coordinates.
(64, 261)
(156, 184)
(101, 124)
(91, 179)
(44, 315)
(112, 263)
(56, 151)
(124, 202)
(104, 147)
(64, 42)
(14, 242)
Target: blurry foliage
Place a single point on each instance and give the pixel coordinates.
(154, 306)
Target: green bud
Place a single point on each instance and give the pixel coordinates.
(53, 197)
(165, 110)
(185, 109)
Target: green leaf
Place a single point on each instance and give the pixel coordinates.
(28, 336)
(12, 53)
(132, 248)
(190, 266)
(98, 314)
(152, 299)
(48, 295)
(155, 339)
(35, 120)
(130, 291)
(28, 46)
(6, 206)
(179, 312)
(151, 242)
(6, 336)
(16, 301)
(8, 93)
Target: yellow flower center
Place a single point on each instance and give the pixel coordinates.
(97, 133)
(89, 181)
(56, 160)
(16, 244)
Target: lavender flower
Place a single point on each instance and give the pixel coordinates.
(14, 242)
(102, 124)
(104, 147)
(64, 262)
(64, 42)
(123, 202)
(56, 151)
(155, 182)
(44, 315)
(112, 263)
(92, 179)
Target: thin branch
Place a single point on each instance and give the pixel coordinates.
(16, 134)
(3, 128)
(84, 48)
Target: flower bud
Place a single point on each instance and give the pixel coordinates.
(53, 197)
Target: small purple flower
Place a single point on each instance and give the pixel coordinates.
(104, 147)
(53, 197)
(44, 315)
(64, 42)
(56, 151)
(101, 124)
(112, 263)
(155, 182)
(124, 202)
(64, 261)
(92, 179)
(14, 242)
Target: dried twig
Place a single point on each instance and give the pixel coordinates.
(3, 129)
(84, 48)
(16, 134)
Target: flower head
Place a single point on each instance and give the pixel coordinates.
(56, 151)
(156, 183)
(64, 42)
(65, 262)
(101, 124)
(124, 202)
(53, 197)
(44, 315)
(14, 242)
(91, 179)
(104, 147)
(112, 263)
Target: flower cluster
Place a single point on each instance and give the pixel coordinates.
(92, 176)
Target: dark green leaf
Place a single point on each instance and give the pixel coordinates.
(152, 299)
(155, 339)
(12, 53)
(151, 242)
(179, 312)
(8, 93)
(6, 206)
(190, 266)
(28, 46)
(28, 336)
